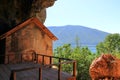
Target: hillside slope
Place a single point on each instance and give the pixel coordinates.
(69, 33)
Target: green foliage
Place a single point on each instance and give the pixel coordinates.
(82, 55)
(111, 44)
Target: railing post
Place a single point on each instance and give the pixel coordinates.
(32, 57)
(21, 57)
(8, 58)
(50, 61)
(59, 70)
(40, 73)
(14, 75)
(74, 68)
(36, 58)
(43, 59)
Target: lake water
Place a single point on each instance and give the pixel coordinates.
(92, 48)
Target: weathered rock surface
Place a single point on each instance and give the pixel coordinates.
(13, 12)
(105, 67)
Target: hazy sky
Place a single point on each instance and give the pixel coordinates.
(98, 14)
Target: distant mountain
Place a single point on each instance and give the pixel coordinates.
(69, 34)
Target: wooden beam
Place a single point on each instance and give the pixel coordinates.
(40, 73)
(59, 70)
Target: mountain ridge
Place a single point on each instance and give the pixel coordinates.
(67, 35)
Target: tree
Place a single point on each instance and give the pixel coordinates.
(82, 55)
(111, 44)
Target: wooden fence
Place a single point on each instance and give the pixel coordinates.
(61, 61)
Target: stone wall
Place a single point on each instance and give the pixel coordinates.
(29, 38)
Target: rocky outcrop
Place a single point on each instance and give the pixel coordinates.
(14, 12)
(106, 67)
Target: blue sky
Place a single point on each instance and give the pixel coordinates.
(98, 14)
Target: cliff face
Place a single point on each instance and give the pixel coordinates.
(13, 12)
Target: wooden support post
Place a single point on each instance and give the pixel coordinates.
(43, 59)
(74, 68)
(14, 76)
(33, 57)
(59, 70)
(8, 58)
(40, 73)
(50, 61)
(21, 57)
(36, 58)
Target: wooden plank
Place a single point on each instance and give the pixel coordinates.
(27, 75)
(4, 72)
(47, 73)
(52, 74)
